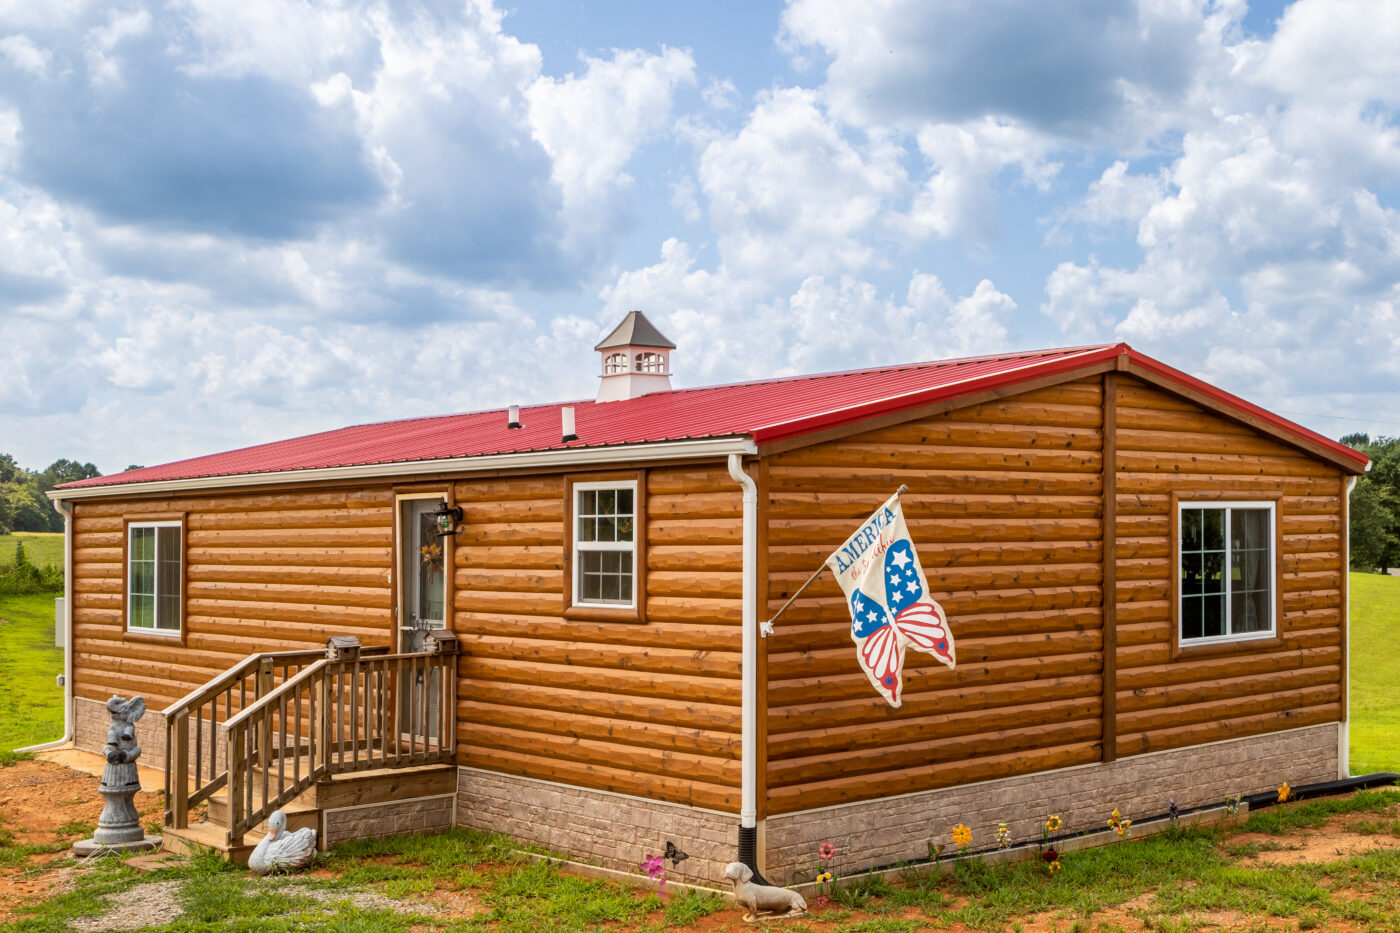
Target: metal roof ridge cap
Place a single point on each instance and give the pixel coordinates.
(1083, 355)
(704, 446)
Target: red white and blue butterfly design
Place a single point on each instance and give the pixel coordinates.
(905, 618)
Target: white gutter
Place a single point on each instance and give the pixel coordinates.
(66, 511)
(533, 459)
(748, 781)
(1344, 729)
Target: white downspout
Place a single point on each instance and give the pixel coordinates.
(748, 798)
(66, 510)
(1344, 730)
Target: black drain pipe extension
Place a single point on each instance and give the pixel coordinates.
(748, 851)
(1325, 789)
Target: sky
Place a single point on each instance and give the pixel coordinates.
(225, 222)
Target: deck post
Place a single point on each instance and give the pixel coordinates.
(178, 772)
(237, 777)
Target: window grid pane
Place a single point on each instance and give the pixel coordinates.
(605, 531)
(1226, 564)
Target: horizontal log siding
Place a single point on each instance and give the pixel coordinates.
(649, 710)
(1167, 444)
(269, 572)
(1005, 508)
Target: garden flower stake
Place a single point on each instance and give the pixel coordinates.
(655, 868)
(1003, 836)
(826, 878)
(1285, 793)
(962, 837)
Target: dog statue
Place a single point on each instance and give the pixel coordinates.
(761, 901)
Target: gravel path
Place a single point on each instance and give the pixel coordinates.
(157, 903)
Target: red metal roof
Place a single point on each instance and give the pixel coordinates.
(766, 411)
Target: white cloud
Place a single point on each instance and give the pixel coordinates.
(591, 124)
(23, 54)
(791, 194)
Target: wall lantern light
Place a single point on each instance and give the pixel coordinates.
(447, 518)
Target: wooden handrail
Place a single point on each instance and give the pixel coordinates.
(237, 672)
(334, 717)
(196, 718)
(307, 673)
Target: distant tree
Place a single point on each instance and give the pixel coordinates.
(1371, 521)
(30, 507)
(65, 471)
(9, 470)
(133, 466)
(56, 474)
(1375, 505)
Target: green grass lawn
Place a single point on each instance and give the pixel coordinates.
(42, 548)
(1375, 673)
(31, 703)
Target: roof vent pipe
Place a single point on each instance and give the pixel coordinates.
(566, 416)
(514, 417)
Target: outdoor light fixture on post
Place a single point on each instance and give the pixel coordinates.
(447, 518)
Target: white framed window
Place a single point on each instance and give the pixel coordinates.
(1226, 571)
(605, 544)
(154, 574)
(651, 363)
(614, 363)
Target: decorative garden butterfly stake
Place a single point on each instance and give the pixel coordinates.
(884, 584)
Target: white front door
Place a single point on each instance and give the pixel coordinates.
(422, 606)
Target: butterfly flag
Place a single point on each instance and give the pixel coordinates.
(891, 611)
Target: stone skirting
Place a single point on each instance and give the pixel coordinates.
(599, 827)
(377, 820)
(878, 833)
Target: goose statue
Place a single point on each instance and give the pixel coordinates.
(280, 850)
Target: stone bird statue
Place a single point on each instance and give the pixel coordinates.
(280, 850)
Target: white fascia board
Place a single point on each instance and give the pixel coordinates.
(533, 459)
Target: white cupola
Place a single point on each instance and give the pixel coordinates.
(636, 360)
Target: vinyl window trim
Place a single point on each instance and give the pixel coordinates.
(178, 631)
(1272, 538)
(578, 547)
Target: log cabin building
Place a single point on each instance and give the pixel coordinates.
(555, 612)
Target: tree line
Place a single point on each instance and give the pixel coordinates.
(1375, 505)
(23, 505)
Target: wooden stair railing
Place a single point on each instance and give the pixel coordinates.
(332, 716)
(196, 719)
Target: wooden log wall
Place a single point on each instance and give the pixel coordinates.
(263, 572)
(1005, 506)
(648, 709)
(1166, 445)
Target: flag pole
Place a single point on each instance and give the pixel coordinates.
(766, 628)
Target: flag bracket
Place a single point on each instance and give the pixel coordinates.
(766, 628)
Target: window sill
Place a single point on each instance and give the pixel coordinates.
(153, 636)
(1230, 646)
(604, 614)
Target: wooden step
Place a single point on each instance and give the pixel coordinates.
(299, 812)
(206, 837)
(382, 785)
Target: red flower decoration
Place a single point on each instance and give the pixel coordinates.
(826, 851)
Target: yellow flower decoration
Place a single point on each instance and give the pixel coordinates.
(1284, 792)
(1054, 866)
(962, 836)
(1054, 823)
